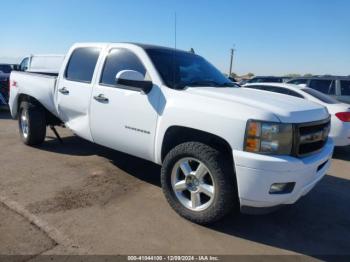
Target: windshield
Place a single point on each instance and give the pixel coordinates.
(320, 96)
(5, 69)
(179, 69)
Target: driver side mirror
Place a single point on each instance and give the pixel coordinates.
(134, 80)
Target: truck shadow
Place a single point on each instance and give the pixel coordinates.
(342, 153)
(73, 145)
(317, 225)
(5, 113)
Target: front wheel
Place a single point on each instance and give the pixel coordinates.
(32, 124)
(198, 183)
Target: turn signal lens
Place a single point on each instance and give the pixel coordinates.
(254, 129)
(343, 116)
(253, 145)
(268, 138)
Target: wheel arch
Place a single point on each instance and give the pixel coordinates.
(176, 135)
(50, 118)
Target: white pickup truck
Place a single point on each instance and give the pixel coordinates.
(220, 147)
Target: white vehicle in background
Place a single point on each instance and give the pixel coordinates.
(340, 112)
(49, 64)
(220, 147)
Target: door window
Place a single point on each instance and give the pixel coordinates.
(82, 63)
(345, 87)
(118, 60)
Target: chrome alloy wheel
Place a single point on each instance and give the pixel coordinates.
(193, 184)
(24, 123)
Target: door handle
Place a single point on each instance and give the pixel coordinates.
(64, 90)
(101, 98)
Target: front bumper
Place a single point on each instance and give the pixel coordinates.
(256, 173)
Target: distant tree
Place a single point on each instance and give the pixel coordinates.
(192, 51)
(293, 75)
(308, 75)
(234, 75)
(250, 74)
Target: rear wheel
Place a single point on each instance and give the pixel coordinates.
(32, 124)
(198, 183)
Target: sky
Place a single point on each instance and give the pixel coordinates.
(271, 37)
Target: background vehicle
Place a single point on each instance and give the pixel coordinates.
(49, 64)
(340, 112)
(220, 147)
(336, 86)
(5, 71)
(267, 79)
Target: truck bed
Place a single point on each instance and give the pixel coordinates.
(41, 86)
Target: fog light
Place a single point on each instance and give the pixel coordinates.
(282, 188)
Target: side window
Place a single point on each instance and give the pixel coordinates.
(82, 63)
(324, 86)
(284, 91)
(345, 87)
(118, 60)
(280, 90)
(24, 64)
(292, 93)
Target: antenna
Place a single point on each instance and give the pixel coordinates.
(174, 53)
(175, 29)
(231, 62)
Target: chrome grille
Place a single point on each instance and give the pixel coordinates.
(311, 137)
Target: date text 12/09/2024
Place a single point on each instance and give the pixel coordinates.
(173, 258)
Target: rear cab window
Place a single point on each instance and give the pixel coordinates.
(82, 63)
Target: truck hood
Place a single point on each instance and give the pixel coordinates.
(287, 109)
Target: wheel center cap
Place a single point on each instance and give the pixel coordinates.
(192, 182)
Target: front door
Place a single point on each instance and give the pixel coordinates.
(123, 118)
(75, 88)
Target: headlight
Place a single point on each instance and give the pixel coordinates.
(268, 138)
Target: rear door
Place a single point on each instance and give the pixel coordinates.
(75, 88)
(344, 91)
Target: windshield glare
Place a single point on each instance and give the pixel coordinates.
(180, 69)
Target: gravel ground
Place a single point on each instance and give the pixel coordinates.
(105, 202)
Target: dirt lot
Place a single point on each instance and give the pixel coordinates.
(83, 198)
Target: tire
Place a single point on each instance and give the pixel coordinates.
(220, 179)
(32, 124)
